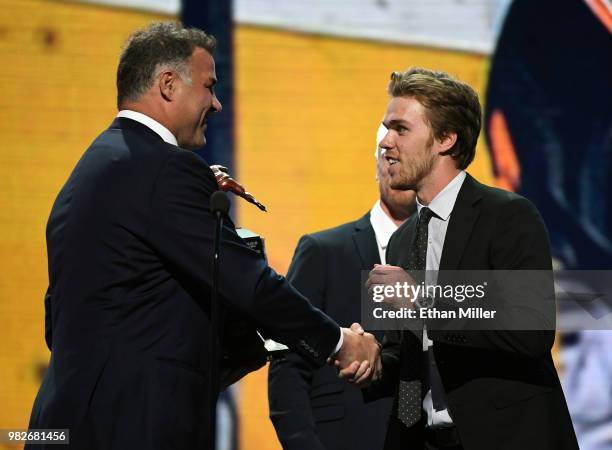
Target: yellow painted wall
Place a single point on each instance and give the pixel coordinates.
(307, 113)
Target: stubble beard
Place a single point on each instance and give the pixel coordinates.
(417, 171)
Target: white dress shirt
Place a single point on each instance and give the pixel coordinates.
(153, 124)
(442, 205)
(383, 227)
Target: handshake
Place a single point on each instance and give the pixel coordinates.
(358, 360)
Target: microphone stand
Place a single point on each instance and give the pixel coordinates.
(219, 205)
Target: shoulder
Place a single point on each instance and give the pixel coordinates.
(185, 167)
(130, 147)
(337, 235)
(504, 203)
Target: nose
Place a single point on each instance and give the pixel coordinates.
(216, 104)
(386, 142)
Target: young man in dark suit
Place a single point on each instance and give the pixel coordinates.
(473, 390)
(311, 408)
(130, 243)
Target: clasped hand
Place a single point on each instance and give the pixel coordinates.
(392, 283)
(358, 360)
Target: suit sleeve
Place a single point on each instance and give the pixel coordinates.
(181, 229)
(528, 316)
(290, 377)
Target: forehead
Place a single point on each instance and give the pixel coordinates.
(405, 108)
(202, 64)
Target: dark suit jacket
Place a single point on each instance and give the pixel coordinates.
(312, 409)
(129, 244)
(502, 387)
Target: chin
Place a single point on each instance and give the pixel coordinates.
(401, 185)
(194, 144)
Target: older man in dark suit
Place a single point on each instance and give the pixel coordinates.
(129, 244)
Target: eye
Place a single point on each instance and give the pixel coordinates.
(401, 130)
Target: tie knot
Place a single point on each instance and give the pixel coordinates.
(425, 215)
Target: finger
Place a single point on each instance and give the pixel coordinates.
(357, 328)
(374, 279)
(350, 370)
(363, 367)
(365, 378)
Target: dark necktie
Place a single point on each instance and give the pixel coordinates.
(413, 367)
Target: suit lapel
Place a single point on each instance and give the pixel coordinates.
(462, 220)
(399, 253)
(365, 243)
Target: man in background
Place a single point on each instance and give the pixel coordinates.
(310, 407)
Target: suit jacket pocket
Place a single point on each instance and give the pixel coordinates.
(328, 413)
(326, 388)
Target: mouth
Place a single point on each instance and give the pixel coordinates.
(391, 161)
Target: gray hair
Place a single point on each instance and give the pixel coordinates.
(158, 47)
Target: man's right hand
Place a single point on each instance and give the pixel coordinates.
(359, 357)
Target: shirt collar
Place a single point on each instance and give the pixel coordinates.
(148, 122)
(442, 205)
(382, 224)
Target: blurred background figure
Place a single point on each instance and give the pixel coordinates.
(549, 128)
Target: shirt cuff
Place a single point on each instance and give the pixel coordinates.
(339, 344)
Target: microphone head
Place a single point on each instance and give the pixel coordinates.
(219, 203)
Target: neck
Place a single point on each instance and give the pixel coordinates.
(397, 215)
(150, 109)
(433, 184)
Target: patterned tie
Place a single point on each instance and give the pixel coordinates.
(412, 370)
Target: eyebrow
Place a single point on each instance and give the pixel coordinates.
(396, 122)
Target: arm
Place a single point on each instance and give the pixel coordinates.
(290, 377)
(521, 245)
(181, 232)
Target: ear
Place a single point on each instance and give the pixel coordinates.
(447, 141)
(168, 84)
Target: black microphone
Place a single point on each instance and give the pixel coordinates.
(219, 206)
(219, 203)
